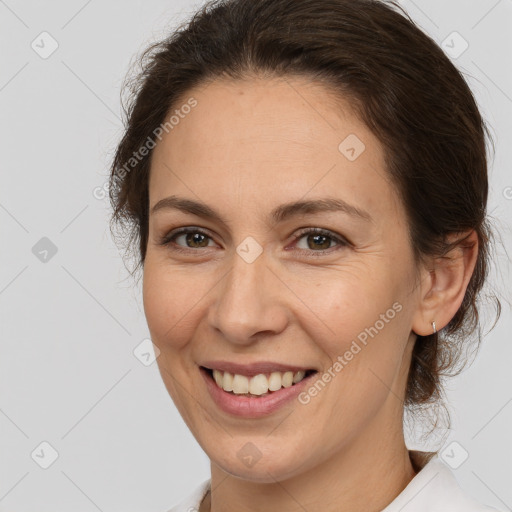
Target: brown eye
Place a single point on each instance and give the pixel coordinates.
(192, 238)
(319, 241)
(196, 239)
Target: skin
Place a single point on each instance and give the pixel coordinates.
(246, 148)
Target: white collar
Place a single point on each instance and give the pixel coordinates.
(433, 489)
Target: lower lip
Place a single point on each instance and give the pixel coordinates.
(252, 407)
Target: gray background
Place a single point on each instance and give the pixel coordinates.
(69, 325)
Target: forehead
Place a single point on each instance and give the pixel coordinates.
(265, 139)
(279, 111)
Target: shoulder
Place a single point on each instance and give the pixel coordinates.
(192, 501)
(435, 489)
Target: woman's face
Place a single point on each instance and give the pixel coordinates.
(253, 286)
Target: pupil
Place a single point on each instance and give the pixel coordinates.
(318, 237)
(195, 238)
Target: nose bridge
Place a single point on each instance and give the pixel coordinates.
(246, 302)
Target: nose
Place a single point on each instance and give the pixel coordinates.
(249, 303)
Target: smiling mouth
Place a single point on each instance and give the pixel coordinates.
(258, 385)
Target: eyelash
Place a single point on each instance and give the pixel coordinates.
(168, 240)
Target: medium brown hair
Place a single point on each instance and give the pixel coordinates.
(400, 83)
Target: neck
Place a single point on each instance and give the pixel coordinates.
(363, 477)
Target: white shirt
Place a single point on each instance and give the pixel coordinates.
(433, 489)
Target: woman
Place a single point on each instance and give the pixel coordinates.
(306, 182)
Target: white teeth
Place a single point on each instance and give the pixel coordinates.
(218, 377)
(298, 376)
(227, 381)
(287, 379)
(240, 384)
(274, 382)
(259, 384)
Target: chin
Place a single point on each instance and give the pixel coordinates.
(258, 462)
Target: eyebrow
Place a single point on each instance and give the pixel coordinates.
(279, 214)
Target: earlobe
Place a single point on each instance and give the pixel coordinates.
(443, 290)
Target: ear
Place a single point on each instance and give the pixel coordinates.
(444, 283)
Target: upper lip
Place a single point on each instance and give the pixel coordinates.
(252, 369)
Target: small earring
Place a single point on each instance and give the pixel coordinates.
(434, 327)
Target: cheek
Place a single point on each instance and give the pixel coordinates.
(172, 301)
(344, 302)
(359, 324)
